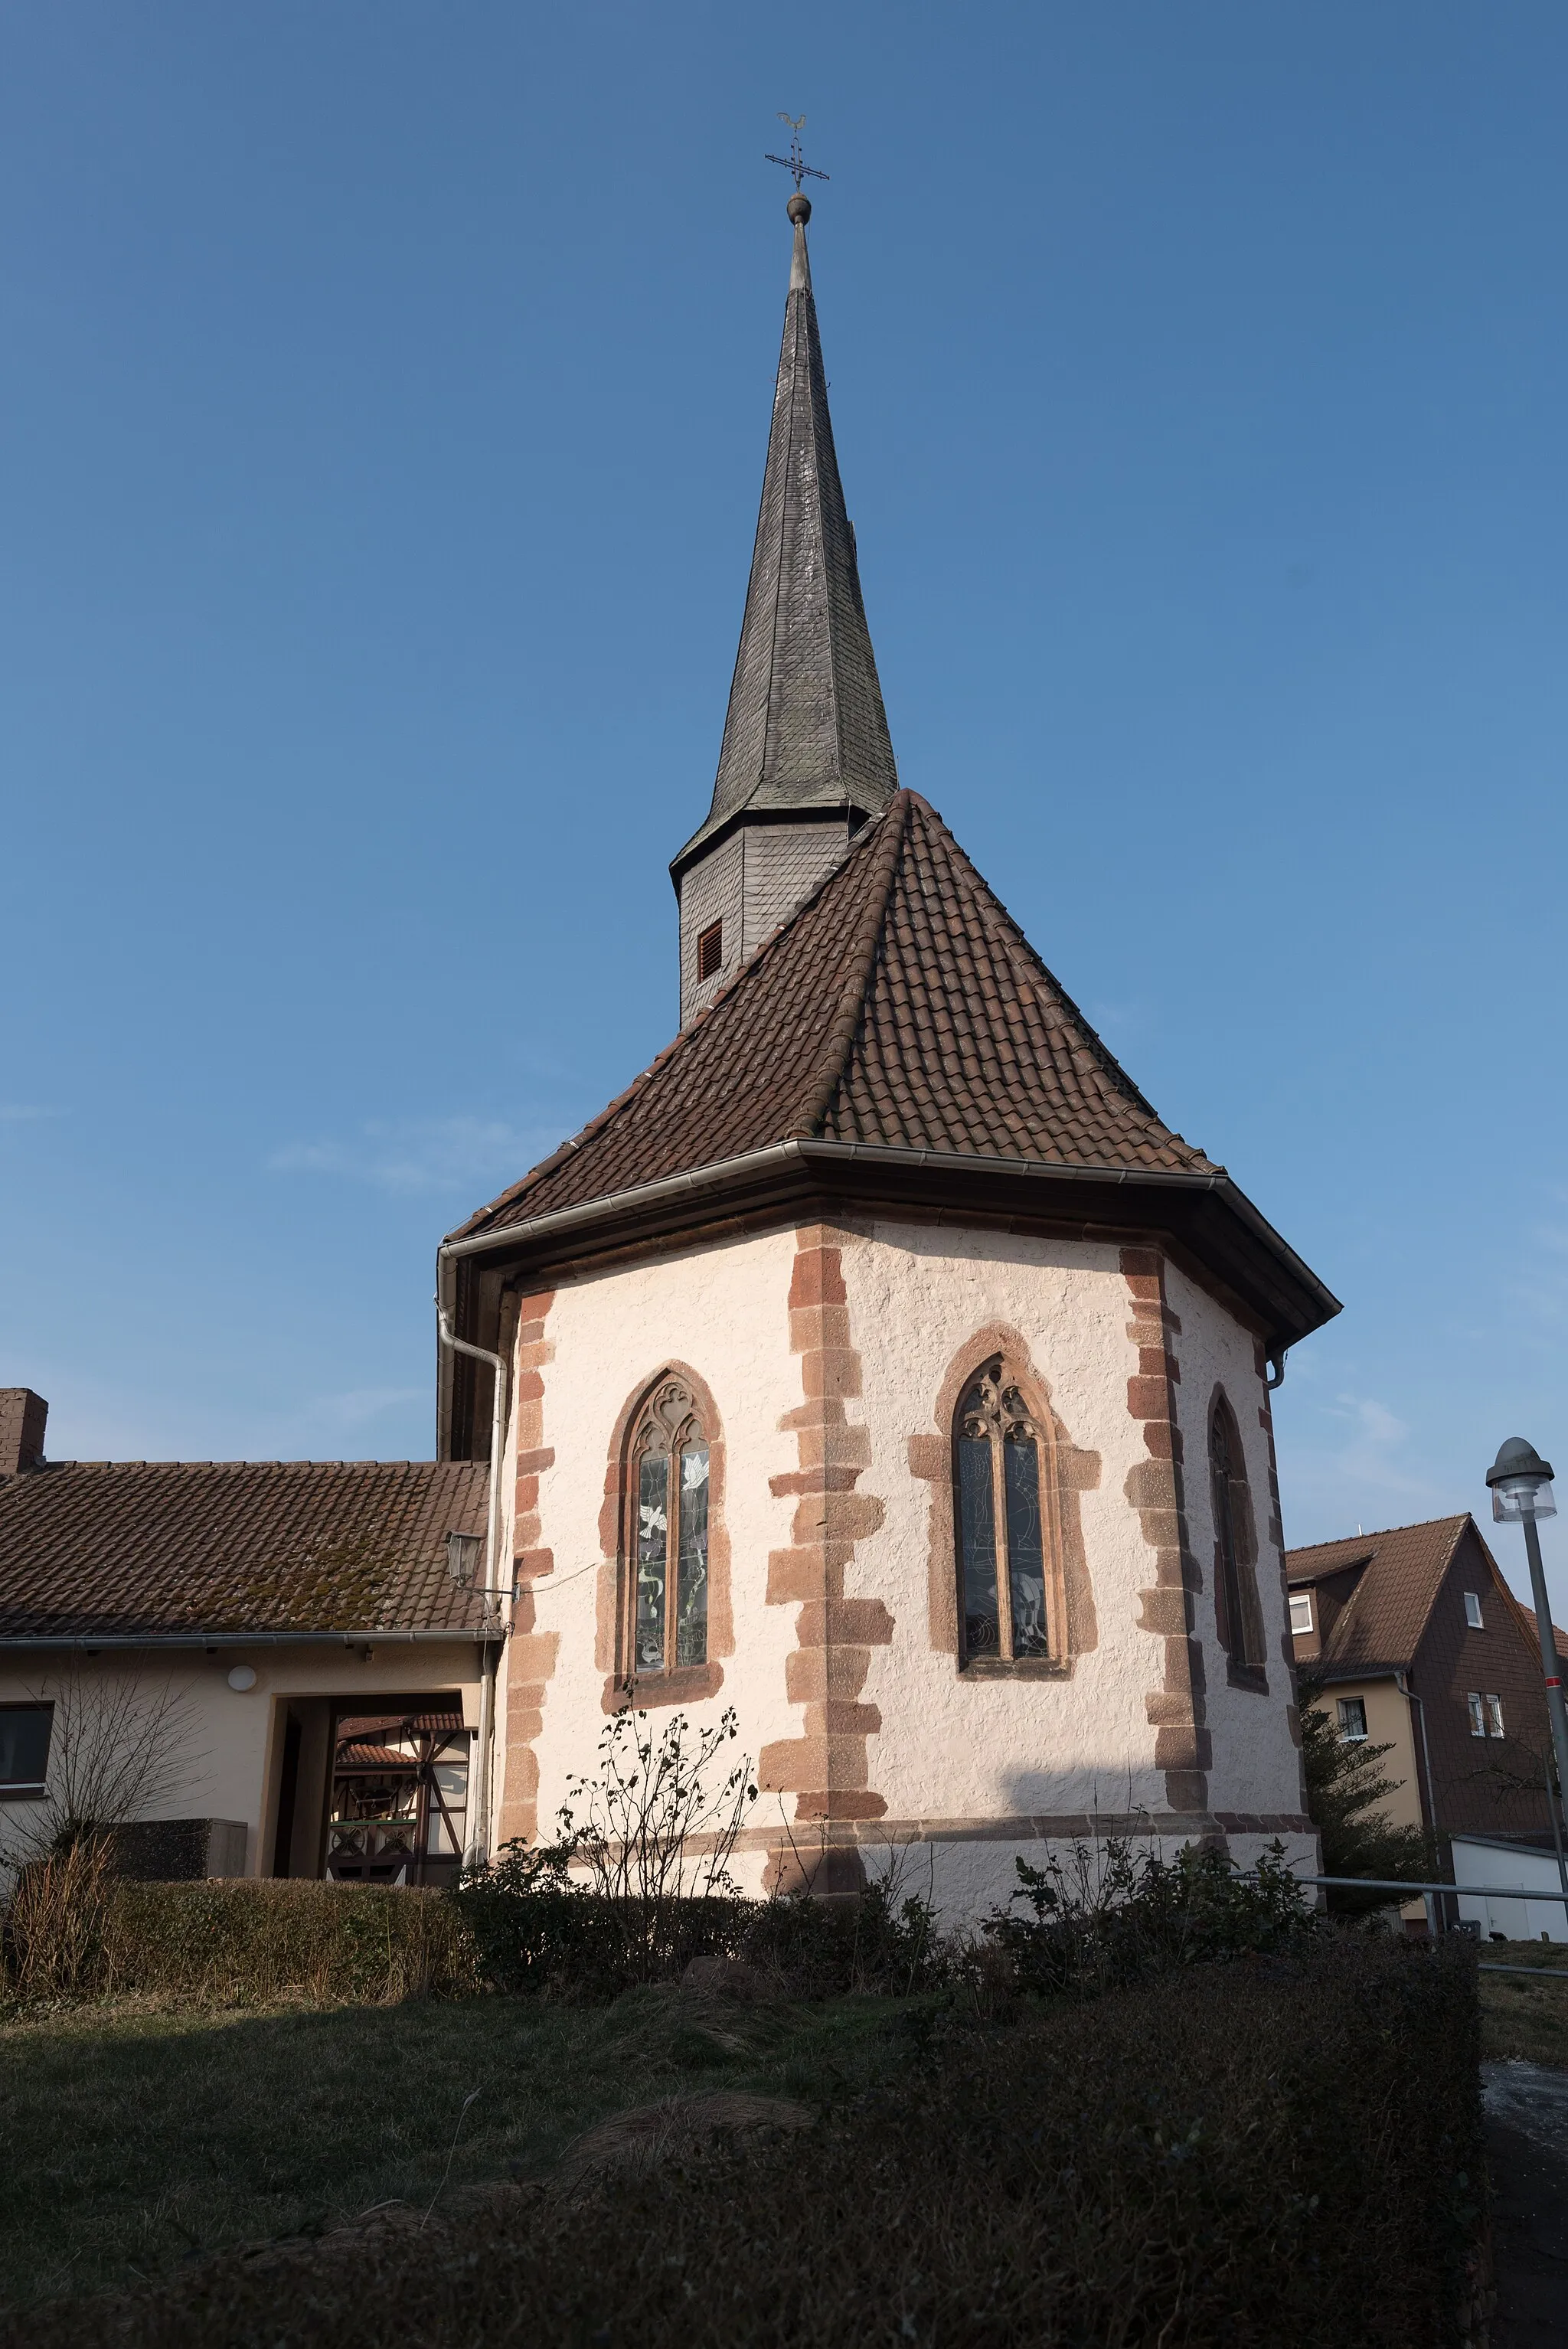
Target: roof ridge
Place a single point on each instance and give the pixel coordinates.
(1379, 1533)
(828, 1074)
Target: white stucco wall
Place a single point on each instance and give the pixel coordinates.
(228, 1741)
(1253, 1768)
(723, 1311)
(950, 1750)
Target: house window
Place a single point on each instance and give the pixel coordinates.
(1352, 1718)
(1004, 1542)
(1472, 1611)
(1477, 1712)
(709, 950)
(25, 1747)
(1494, 1716)
(669, 1543)
(1236, 1597)
(1301, 1611)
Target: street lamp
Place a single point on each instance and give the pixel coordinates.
(1521, 1484)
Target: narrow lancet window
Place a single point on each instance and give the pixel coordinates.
(1003, 1542)
(1235, 1596)
(669, 1485)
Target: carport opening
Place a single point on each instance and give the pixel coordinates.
(397, 1809)
(373, 1791)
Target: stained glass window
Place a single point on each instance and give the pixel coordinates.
(977, 1541)
(669, 1494)
(691, 1588)
(1002, 1535)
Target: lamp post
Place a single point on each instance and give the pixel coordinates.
(1521, 1484)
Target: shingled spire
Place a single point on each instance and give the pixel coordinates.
(806, 756)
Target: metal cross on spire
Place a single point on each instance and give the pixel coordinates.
(794, 161)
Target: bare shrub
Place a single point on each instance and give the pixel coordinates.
(651, 1826)
(119, 1748)
(56, 1922)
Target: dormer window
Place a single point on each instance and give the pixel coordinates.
(1472, 1611)
(1301, 1611)
(709, 950)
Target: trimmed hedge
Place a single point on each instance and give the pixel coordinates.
(1276, 2149)
(240, 1942)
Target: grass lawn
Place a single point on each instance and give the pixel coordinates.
(132, 2141)
(1522, 2014)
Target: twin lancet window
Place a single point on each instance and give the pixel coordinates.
(1002, 1534)
(669, 1488)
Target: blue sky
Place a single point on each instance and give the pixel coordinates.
(386, 390)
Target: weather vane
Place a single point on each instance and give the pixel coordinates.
(794, 162)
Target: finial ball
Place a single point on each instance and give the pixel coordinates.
(799, 209)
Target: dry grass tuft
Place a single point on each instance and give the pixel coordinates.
(676, 2128)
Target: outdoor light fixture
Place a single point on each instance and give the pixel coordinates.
(1521, 1484)
(462, 1557)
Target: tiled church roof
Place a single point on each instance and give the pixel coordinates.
(902, 1005)
(806, 727)
(155, 1548)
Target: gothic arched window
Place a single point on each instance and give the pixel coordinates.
(1009, 1599)
(1236, 1607)
(668, 1545)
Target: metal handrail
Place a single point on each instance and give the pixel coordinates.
(1475, 1891)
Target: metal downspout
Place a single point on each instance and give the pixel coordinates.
(478, 1851)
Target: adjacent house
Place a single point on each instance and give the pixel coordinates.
(1419, 1645)
(278, 1664)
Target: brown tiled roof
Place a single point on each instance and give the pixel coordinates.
(1527, 1625)
(145, 1548)
(1381, 1626)
(902, 1005)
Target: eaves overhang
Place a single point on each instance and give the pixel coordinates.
(1306, 1578)
(1326, 1673)
(1205, 1213)
(842, 809)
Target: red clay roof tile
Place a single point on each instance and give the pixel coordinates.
(150, 1548)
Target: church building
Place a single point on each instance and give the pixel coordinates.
(879, 1364)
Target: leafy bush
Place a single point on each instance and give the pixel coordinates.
(1269, 2151)
(1110, 1915)
(535, 1926)
(236, 1943)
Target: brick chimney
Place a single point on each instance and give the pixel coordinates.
(24, 1416)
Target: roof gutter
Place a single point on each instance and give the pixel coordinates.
(810, 1152)
(375, 1638)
